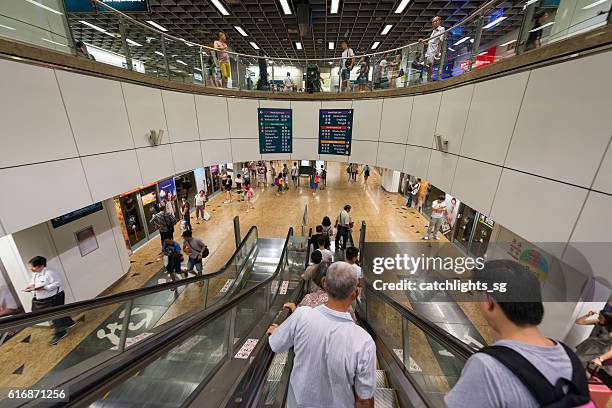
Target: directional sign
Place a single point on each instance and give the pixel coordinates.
(275, 130)
(335, 131)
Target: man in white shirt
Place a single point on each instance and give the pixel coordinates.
(348, 62)
(325, 253)
(343, 225)
(352, 253)
(288, 82)
(438, 215)
(48, 292)
(294, 174)
(434, 45)
(335, 360)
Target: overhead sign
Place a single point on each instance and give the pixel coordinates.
(275, 130)
(87, 6)
(75, 215)
(335, 131)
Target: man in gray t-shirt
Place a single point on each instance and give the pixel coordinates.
(194, 248)
(514, 315)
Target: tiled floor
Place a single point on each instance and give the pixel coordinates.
(24, 363)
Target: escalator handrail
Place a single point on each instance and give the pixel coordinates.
(447, 340)
(151, 348)
(31, 318)
(250, 387)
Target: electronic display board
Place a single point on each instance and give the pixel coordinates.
(335, 131)
(275, 130)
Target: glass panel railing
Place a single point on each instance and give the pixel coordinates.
(100, 331)
(496, 31)
(432, 368)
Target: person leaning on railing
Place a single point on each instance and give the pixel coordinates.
(434, 45)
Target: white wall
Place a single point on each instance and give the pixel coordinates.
(83, 277)
(512, 141)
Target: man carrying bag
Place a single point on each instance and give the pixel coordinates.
(343, 226)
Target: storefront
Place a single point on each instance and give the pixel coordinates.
(135, 209)
(186, 187)
(472, 231)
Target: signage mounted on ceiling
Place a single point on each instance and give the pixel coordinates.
(87, 6)
(75, 215)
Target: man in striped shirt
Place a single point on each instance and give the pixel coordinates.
(335, 360)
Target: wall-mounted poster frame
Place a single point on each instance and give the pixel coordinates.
(86, 240)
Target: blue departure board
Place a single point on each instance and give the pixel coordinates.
(335, 131)
(275, 130)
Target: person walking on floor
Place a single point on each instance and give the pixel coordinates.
(366, 174)
(172, 250)
(294, 174)
(185, 214)
(343, 227)
(164, 221)
(239, 191)
(196, 251)
(354, 168)
(421, 195)
(286, 175)
(438, 215)
(323, 176)
(413, 190)
(314, 181)
(226, 182)
(249, 197)
(200, 205)
(48, 290)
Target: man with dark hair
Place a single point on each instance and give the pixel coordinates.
(326, 253)
(523, 367)
(165, 222)
(343, 226)
(352, 253)
(195, 250)
(315, 238)
(438, 215)
(48, 292)
(335, 359)
(82, 50)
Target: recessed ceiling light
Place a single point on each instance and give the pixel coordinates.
(132, 42)
(375, 45)
(154, 24)
(507, 43)
(386, 30)
(402, 6)
(331, 45)
(197, 69)
(7, 27)
(241, 31)
(495, 22)
(335, 5)
(220, 7)
(254, 45)
(298, 45)
(159, 53)
(181, 62)
(285, 7)
(45, 7)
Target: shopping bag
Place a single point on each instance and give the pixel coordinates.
(206, 216)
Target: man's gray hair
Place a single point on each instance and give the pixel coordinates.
(341, 281)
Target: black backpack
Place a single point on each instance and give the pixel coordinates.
(563, 394)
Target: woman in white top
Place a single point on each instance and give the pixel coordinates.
(200, 205)
(48, 292)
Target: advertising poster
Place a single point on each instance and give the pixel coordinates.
(86, 240)
(452, 209)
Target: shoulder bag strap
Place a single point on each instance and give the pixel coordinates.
(578, 374)
(539, 387)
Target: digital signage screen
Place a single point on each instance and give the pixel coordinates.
(87, 6)
(275, 130)
(335, 131)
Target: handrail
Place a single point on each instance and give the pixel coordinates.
(28, 319)
(469, 18)
(440, 335)
(149, 349)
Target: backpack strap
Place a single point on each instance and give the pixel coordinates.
(578, 373)
(539, 387)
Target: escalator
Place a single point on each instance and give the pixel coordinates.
(253, 262)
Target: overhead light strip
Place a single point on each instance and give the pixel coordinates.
(331, 45)
(241, 31)
(386, 30)
(375, 45)
(95, 27)
(507, 43)
(402, 6)
(461, 41)
(7, 27)
(285, 6)
(542, 27)
(181, 62)
(254, 45)
(298, 45)
(220, 7)
(159, 27)
(42, 6)
(159, 53)
(335, 6)
(495, 22)
(132, 42)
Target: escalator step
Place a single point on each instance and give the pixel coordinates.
(385, 397)
(145, 390)
(381, 379)
(177, 369)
